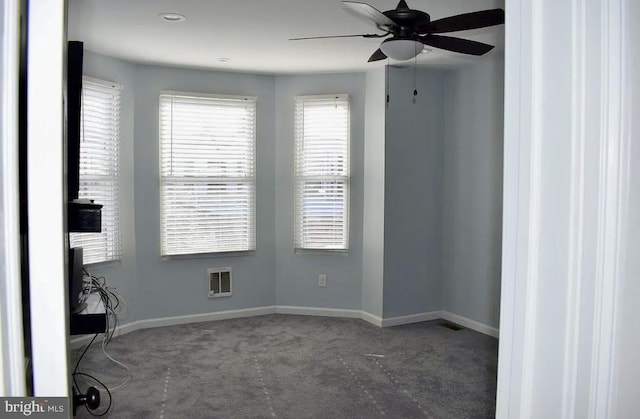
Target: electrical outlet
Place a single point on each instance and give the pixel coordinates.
(322, 280)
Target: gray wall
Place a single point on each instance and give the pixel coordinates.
(159, 288)
(121, 275)
(398, 262)
(473, 191)
(373, 214)
(413, 193)
(179, 286)
(297, 274)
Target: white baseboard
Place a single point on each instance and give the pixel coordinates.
(127, 328)
(368, 317)
(319, 311)
(78, 342)
(330, 312)
(206, 317)
(176, 320)
(305, 311)
(470, 324)
(412, 318)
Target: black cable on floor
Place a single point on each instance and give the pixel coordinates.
(103, 386)
(75, 370)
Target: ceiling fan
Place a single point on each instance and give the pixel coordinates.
(411, 30)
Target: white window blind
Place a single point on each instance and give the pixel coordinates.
(99, 168)
(207, 173)
(322, 172)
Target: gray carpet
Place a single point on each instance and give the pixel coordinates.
(287, 366)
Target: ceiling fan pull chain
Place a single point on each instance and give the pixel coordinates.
(415, 78)
(387, 81)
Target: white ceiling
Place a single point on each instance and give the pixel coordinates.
(254, 34)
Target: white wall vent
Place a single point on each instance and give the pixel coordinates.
(219, 282)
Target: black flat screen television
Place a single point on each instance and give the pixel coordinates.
(75, 52)
(83, 217)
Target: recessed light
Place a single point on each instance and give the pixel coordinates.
(173, 17)
(224, 59)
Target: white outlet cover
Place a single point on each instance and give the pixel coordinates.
(322, 280)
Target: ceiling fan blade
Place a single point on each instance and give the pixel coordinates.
(366, 35)
(369, 14)
(464, 46)
(473, 20)
(377, 56)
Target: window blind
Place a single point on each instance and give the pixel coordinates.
(207, 173)
(322, 172)
(100, 167)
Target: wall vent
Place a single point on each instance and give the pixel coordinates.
(219, 282)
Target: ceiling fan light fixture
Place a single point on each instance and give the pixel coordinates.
(401, 49)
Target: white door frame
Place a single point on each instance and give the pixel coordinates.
(566, 171)
(45, 167)
(45, 160)
(12, 376)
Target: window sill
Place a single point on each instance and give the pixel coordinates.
(344, 252)
(104, 264)
(216, 255)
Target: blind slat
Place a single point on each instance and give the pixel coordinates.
(207, 173)
(322, 130)
(99, 169)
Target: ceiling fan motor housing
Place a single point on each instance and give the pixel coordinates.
(409, 22)
(409, 25)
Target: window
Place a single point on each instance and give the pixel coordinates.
(207, 173)
(322, 172)
(99, 168)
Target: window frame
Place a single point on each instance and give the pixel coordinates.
(253, 179)
(117, 255)
(298, 249)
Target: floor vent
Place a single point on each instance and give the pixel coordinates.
(450, 325)
(219, 282)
